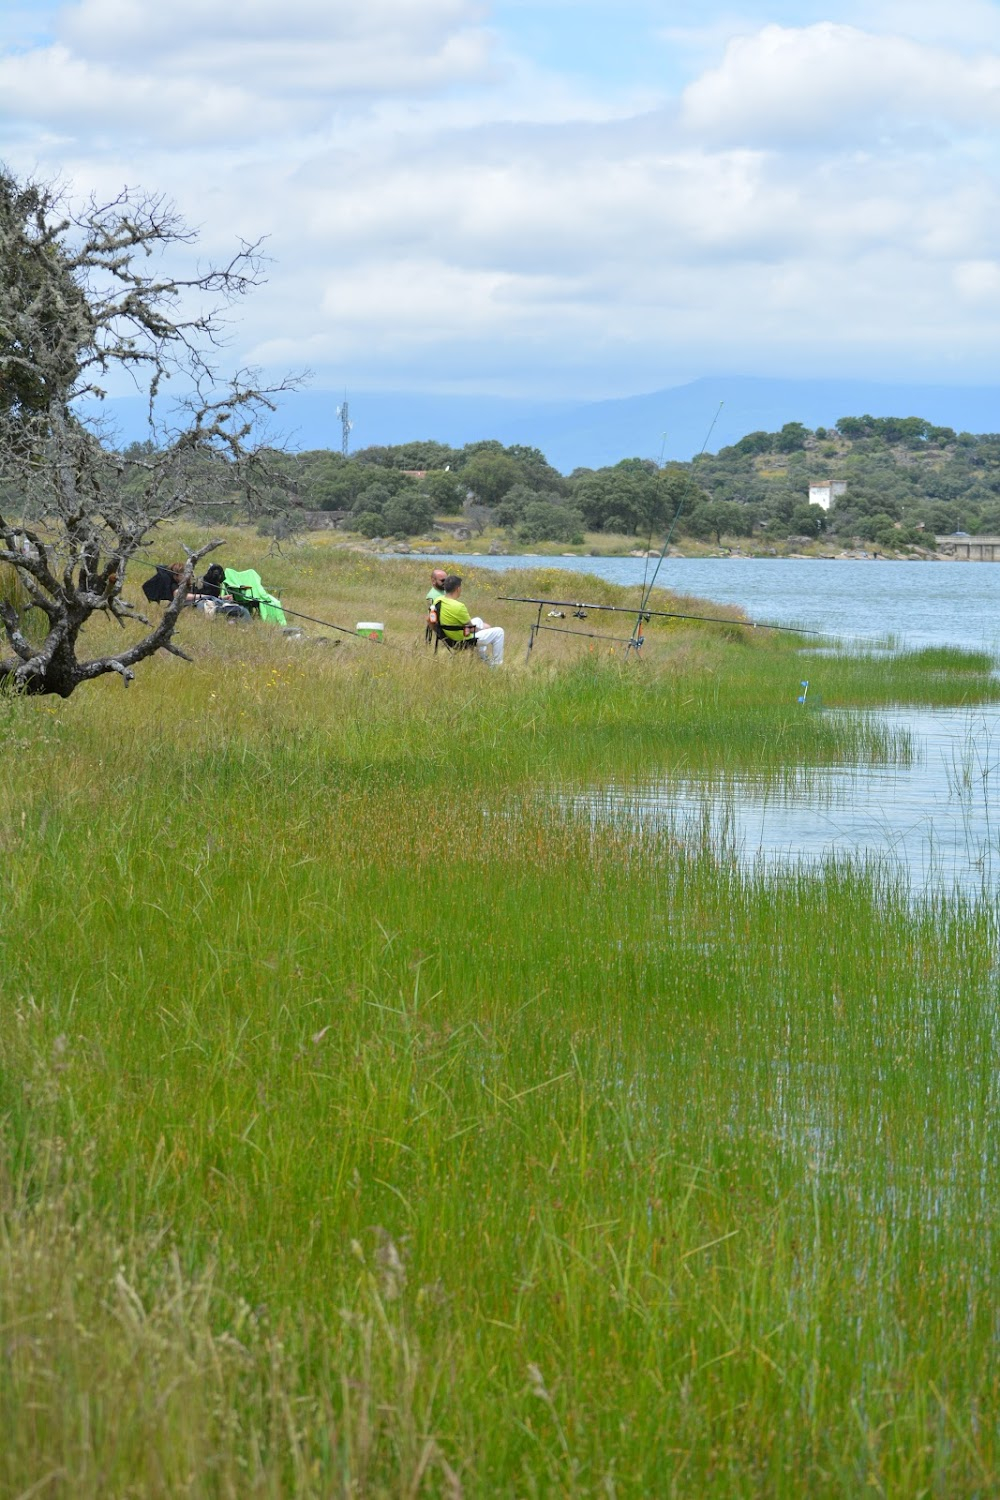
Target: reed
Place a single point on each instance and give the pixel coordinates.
(373, 1124)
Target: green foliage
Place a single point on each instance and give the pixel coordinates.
(897, 470)
(512, 507)
(535, 469)
(320, 1177)
(636, 496)
(407, 514)
(914, 432)
(753, 443)
(445, 492)
(372, 499)
(324, 480)
(544, 521)
(906, 470)
(12, 590)
(417, 455)
(369, 523)
(380, 512)
(717, 518)
(879, 528)
(808, 520)
(489, 475)
(791, 438)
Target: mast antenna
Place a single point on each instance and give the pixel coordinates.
(344, 413)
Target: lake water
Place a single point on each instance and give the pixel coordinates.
(913, 603)
(934, 822)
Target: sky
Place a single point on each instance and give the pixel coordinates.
(554, 199)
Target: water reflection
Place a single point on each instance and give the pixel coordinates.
(933, 820)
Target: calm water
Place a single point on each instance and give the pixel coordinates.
(917, 604)
(935, 823)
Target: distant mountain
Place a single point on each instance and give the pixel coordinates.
(602, 432)
(308, 419)
(592, 433)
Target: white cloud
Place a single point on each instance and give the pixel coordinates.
(978, 282)
(209, 34)
(64, 91)
(964, 24)
(600, 267)
(195, 70)
(441, 211)
(786, 85)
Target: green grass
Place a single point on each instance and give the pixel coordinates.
(372, 1125)
(951, 659)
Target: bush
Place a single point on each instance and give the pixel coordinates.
(446, 492)
(880, 529)
(791, 438)
(406, 515)
(545, 522)
(369, 523)
(372, 500)
(510, 511)
(808, 520)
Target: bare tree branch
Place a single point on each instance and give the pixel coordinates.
(84, 295)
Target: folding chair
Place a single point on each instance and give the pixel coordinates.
(466, 643)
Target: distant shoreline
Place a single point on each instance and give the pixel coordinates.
(432, 553)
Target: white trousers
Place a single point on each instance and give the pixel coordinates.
(489, 639)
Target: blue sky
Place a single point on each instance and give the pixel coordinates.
(548, 198)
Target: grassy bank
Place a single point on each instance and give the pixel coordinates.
(373, 1126)
(621, 544)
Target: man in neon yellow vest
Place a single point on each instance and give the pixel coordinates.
(453, 617)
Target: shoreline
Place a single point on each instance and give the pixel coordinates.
(541, 557)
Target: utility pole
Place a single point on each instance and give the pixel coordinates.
(343, 412)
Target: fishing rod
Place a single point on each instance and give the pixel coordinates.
(645, 592)
(652, 516)
(329, 625)
(649, 614)
(583, 635)
(297, 615)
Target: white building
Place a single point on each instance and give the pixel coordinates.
(826, 491)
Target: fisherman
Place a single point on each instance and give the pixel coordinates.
(434, 593)
(207, 594)
(436, 590)
(453, 617)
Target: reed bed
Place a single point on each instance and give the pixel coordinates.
(372, 1125)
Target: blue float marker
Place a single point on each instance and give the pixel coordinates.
(805, 692)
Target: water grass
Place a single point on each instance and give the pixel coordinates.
(373, 1125)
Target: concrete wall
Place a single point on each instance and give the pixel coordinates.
(970, 548)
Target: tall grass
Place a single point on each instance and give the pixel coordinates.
(373, 1126)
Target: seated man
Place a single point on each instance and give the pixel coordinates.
(209, 595)
(453, 617)
(436, 590)
(434, 593)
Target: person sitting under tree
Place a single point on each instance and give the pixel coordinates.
(453, 617)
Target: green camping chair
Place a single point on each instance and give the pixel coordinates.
(247, 589)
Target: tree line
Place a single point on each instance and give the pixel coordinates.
(906, 479)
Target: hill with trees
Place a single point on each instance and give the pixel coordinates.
(906, 480)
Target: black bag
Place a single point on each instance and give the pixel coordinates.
(160, 589)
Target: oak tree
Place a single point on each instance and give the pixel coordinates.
(86, 296)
